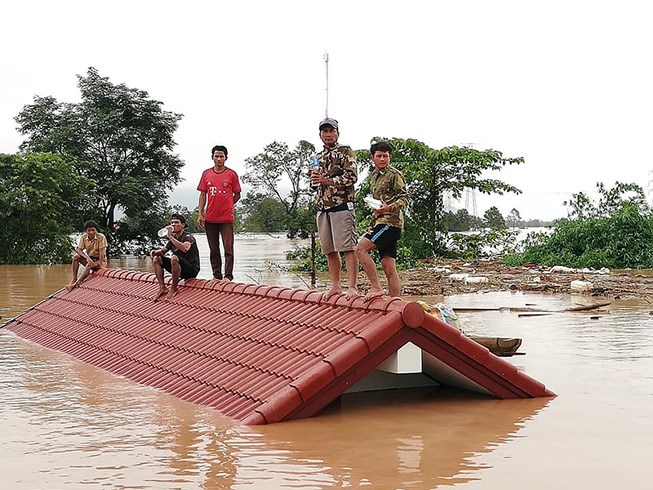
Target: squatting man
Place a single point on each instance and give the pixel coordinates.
(184, 263)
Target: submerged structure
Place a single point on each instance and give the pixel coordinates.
(262, 354)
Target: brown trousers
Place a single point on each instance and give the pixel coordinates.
(213, 233)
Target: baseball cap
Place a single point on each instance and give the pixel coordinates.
(179, 217)
(329, 122)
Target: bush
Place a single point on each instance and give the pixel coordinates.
(622, 240)
(493, 243)
(301, 258)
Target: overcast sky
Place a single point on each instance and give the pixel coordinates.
(565, 84)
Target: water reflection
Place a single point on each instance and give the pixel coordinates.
(415, 439)
(81, 424)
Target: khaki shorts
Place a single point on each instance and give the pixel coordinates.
(337, 231)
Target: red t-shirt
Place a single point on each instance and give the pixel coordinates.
(220, 189)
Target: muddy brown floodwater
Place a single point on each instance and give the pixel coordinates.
(66, 424)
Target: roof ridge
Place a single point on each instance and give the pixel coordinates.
(255, 352)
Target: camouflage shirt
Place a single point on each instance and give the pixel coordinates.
(389, 186)
(338, 164)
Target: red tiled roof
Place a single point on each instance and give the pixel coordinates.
(258, 354)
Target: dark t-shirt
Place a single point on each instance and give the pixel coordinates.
(193, 254)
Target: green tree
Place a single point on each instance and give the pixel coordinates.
(610, 201)
(615, 232)
(119, 138)
(513, 218)
(263, 213)
(461, 220)
(494, 219)
(535, 223)
(493, 243)
(281, 173)
(134, 234)
(430, 173)
(42, 201)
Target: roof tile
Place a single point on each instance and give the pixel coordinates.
(259, 354)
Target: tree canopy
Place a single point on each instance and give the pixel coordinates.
(513, 218)
(42, 201)
(279, 174)
(494, 219)
(117, 136)
(461, 220)
(615, 232)
(431, 174)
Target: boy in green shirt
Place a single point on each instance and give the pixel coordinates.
(389, 187)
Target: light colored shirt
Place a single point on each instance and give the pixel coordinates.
(93, 246)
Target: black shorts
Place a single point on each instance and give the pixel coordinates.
(188, 270)
(385, 237)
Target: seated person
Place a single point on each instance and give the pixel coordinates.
(91, 252)
(184, 263)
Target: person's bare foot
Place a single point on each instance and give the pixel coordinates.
(352, 292)
(162, 292)
(171, 294)
(331, 292)
(71, 285)
(375, 293)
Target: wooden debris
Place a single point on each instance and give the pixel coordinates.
(528, 311)
(499, 346)
(587, 307)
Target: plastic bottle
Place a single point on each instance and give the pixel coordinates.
(581, 285)
(476, 280)
(314, 165)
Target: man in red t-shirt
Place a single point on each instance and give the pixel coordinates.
(219, 191)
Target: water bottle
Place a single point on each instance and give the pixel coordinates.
(314, 164)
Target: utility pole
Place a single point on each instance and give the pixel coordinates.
(326, 64)
(326, 114)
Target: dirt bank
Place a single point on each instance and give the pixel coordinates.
(447, 277)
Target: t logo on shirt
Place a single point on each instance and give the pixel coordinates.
(213, 190)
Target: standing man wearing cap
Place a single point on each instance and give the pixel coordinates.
(219, 192)
(336, 223)
(184, 263)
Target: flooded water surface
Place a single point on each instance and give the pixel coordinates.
(66, 424)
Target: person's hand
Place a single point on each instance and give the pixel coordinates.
(384, 209)
(154, 253)
(200, 221)
(318, 178)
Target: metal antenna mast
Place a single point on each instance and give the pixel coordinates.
(326, 63)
